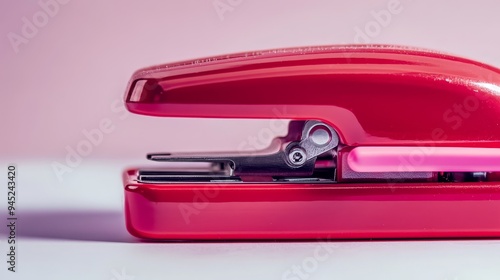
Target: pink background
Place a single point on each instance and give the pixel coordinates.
(67, 77)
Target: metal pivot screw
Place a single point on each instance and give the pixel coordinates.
(320, 135)
(297, 156)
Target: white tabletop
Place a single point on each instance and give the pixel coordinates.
(75, 230)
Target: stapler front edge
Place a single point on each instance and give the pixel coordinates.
(383, 142)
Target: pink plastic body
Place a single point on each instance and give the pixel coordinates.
(377, 98)
(311, 211)
(371, 95)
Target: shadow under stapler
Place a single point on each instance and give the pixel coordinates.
(106, 226)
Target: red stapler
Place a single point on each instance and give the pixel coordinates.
(383, 142)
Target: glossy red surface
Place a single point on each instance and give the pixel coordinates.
(311, 211)
(372, 95)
